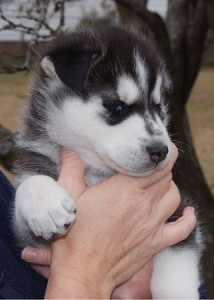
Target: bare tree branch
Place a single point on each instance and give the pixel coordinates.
(38, 14)
(26, 29)
(61, 8)
(11, 25)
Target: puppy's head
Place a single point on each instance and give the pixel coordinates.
(105, 91)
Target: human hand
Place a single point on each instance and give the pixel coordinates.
(136, 198)
(40, 258)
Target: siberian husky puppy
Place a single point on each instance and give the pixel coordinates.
(101, 93)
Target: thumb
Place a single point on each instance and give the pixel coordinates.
(71, 175)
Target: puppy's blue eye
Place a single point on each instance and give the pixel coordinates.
(117, 106)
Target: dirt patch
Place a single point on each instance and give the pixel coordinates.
(12, 94)
(201, 116)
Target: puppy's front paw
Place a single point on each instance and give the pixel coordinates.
(44, 206)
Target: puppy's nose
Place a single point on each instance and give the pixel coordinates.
(157, 152)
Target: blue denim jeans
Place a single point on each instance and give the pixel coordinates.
(17, 279)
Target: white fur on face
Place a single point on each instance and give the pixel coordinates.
(157, 90)
(142, 72)
(80, 126)
(127, 89)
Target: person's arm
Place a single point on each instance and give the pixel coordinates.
(116, 236)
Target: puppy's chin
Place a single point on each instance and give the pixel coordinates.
(132, 170)
(140, 170)
(143, 173)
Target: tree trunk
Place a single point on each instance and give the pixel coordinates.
(148, 22)
(187, 27)
(210, 11)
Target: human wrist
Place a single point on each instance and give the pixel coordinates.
(76, 286)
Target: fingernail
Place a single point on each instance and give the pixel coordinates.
(28, 254)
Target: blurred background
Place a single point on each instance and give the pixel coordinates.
(183, 31)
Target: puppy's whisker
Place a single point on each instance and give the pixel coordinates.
(183, 149)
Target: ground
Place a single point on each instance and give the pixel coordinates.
(201, 116)
(13, 89)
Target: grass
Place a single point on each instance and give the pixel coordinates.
(200, 109)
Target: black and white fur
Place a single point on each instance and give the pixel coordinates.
(100, 92)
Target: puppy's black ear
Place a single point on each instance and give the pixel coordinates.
(71, 67)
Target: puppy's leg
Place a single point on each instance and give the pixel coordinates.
(176, 274)
(42, 207)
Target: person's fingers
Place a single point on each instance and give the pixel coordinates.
(40, 259)
(71, 175)
(42, 270)
(168, 204)
(40, 256)
(175, 232)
